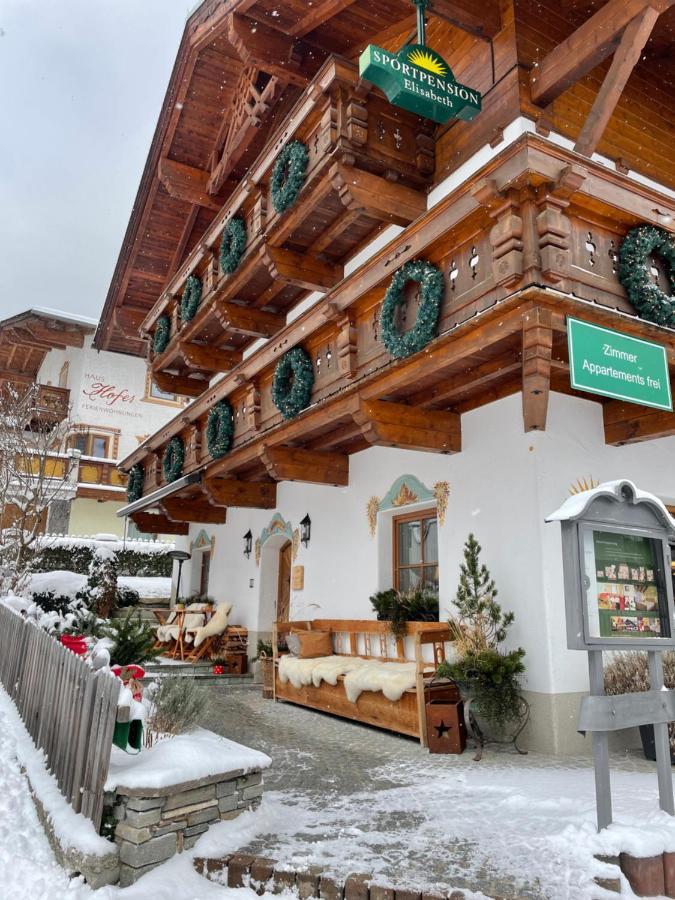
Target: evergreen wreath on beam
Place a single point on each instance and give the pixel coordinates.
(160, 340)
(191, 298)
(432, 288)
(135, 482)
(293, 382)
(232, 245)
(288, 175)
(174, 457)
(219, 429)
(634, 274)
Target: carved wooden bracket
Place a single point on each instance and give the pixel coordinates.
(252, 403)
(536, 373)
(506, 236)
(553, 226)
(347, 346)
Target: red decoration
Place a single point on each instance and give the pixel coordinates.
(76, 643)
(218, 670)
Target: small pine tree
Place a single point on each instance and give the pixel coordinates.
(133, 640)
(482, 622)
(101, 591)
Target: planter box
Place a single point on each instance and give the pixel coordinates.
(648, 744)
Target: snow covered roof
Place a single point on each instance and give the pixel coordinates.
(623, 489)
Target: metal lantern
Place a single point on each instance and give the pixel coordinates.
(305, 529)
(248, 544)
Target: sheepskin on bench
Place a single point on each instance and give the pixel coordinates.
(391, 678)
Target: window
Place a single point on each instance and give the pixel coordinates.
(90, 444)
(153, 394)
(416, 551)
(204, 573)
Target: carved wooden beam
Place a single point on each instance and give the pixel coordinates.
(628, 423)
(248, 320)
(301, 269)
(186, 183)
(157, 523)
(191, 510)
(317, 15)
(313, 466)
(587, 47)
(272, 51)
(208, 359)
(482, 19)
(536, 372)
(397, 425)
(179, 384)
(625, 59)
(379, 198)
(234, 492)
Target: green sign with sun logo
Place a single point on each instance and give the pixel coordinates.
(419, 80)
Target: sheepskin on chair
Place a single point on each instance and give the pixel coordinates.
(392, 678)
(216, 626)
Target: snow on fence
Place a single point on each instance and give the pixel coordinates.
(68, 709)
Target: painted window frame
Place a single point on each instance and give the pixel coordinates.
(418, 515)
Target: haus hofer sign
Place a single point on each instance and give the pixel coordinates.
(419, 80)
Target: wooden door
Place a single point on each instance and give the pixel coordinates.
(284, 588)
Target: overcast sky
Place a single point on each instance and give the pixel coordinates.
(81, 85)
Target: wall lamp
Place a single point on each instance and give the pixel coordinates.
(248, 544)
(305, 529)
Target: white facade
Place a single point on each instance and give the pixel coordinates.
(502, 486)
(110, 396)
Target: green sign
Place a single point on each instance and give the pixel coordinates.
(419, 80)
(616, 365)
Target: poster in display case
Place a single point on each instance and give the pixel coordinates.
(626, 595)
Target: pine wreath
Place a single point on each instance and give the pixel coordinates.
(288, 175)
(293, 382)
(648, 298)
(174, 457)
(135, 482)
(432, 287)
(191, 298)
(232, 245)
(160, 340)
(219, 429)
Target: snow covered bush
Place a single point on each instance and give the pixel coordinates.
(144, 559)
(101, 592)
(177, 705)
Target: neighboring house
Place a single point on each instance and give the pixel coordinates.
(107, 398)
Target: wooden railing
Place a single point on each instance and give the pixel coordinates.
(99, 477)
(68, 710)
(368, 167)
(515, 263)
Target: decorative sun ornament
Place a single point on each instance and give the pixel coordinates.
(428, 61)
(583, 485)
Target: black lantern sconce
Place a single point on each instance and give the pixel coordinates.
(305, 529)
(248, 544)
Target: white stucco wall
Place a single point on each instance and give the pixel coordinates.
(108, 389)
(502, 486)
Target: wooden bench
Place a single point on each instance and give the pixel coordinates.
(371, 640)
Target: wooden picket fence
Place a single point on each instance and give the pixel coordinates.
(68, 709)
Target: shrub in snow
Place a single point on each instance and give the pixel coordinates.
(132, 640)
(50, 602)
(400, 607)
(177, 705)
(488, 675)
(101, 591)
(628, 673)
(75, 555)
(127, 597)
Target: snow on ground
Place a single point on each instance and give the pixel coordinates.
(69, 583)
(182, 758)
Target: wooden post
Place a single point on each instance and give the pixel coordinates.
(536, 372)
(603, 789)
(664, 770)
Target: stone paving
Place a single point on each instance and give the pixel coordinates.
(321, 763)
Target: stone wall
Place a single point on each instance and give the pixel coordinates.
(155, 823)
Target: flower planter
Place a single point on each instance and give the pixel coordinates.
(649, 745)
(75, 643)
(218, 670)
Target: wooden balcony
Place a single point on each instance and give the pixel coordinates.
(52, 404)
(369, 166)
(100, 479)
(532, 237)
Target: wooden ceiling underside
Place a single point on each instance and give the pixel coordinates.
(26, 339)
(225, 47)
